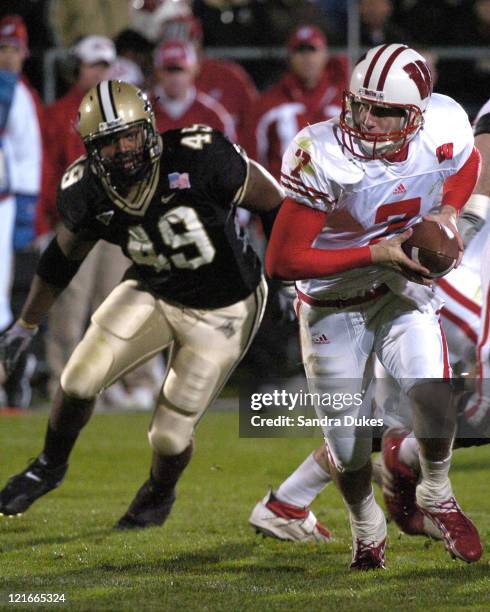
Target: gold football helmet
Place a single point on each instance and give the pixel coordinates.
(112, 113)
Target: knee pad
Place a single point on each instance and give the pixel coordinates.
(171, 431)
(85, 374)
(192, 381)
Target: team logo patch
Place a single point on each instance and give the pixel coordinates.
(179, 181)
(445, 152)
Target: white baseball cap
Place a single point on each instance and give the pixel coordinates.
(124, 69)
(95, 49)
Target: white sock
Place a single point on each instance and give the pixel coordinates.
(367, 519)
(409, 452)
(304, 484)
(435, 485)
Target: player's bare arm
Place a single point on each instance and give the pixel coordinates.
(482, 143)
(263, 193)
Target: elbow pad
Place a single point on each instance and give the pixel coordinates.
(55, 268)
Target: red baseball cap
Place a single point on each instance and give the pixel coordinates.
(176, 54)
(13, 32)
(307, 36)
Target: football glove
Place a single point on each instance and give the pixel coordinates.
(13, 343)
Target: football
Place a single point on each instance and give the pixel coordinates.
(434, 246)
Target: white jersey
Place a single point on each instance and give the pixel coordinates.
(369, 200)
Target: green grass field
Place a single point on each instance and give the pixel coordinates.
(206, 557)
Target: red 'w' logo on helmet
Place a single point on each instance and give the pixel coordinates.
(419, 72)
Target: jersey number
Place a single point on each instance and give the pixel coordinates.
(72, 176)
(199, 139)
(401, 212)
(304, 160)
(142, 251)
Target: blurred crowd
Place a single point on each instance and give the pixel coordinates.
(166, 48)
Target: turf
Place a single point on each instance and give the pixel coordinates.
(206, 557)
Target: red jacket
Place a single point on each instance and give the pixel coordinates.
(286, 108)
(62, 145)
(229, 84)
(200, 108)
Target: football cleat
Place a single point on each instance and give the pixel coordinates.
(24, 488)
(460, 535)
(368, 555)
(277, 519)
(149, 508)
(399, 485)
(368, 550)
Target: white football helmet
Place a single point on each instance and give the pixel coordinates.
(388, 76)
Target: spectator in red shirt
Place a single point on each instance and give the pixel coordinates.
(225, 81)
(309, 92)
(175, 99)
(94, 55)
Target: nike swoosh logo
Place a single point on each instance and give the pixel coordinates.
(167, 199)
(33, 476)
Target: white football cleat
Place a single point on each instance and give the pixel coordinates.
(277, 519)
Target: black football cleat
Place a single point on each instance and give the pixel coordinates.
(149, 508)
(23, 489)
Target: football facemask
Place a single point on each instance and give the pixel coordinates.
(369, 144)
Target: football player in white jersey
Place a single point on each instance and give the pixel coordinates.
(355, 185)
(285, 514)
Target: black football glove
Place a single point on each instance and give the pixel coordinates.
(13, 343)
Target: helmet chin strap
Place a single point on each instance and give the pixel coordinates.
(380, 148)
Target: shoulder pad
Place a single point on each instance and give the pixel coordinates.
(316, 167)
(447, 121)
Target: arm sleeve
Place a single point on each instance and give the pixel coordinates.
(458, 187)
(290, 254)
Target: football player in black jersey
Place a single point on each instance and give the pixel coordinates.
(169, 201)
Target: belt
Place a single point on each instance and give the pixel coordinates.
(372, 294)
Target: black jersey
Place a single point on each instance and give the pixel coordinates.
(182, 233)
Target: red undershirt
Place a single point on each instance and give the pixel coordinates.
(290, 255)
